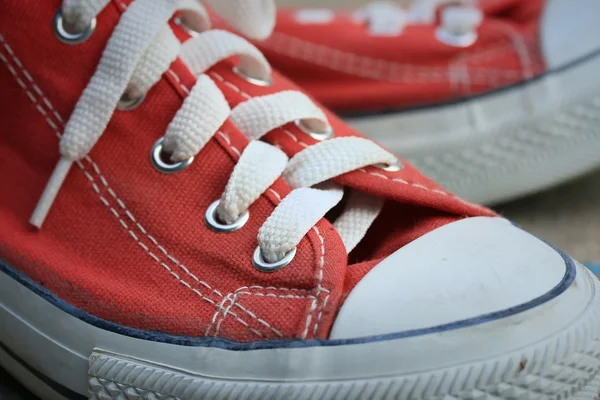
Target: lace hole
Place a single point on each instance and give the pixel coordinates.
(464, 40)
(215, 224)
(160, 159)
(252, 80)
(393, 167)
(260, 264)
(67, 35)
(320, 136)
(127, 102)
(459, 25)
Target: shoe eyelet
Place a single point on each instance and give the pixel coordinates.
(260, 264)
(465, 40)
(320, 136)
(212, 220)
(158, 156)
(459, 24)
(253, 80)
(393, 167)
(71, 38)
(127, 103)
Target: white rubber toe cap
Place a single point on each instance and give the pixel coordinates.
(570, 31)
(464, 270)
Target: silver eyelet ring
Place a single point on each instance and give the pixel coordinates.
(393, 167)
(464, 40)
(260, 264)
(127, 103)
(67, 37)
(212, 220)
(320, 136)
(252, 80)
(156, 157)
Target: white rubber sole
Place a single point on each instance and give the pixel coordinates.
(551, 351)
(503, 145)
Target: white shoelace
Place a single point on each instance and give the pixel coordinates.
(141, 49)
(387, 18)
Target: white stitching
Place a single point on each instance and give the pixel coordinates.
(227, 311)
(316, 327)
(27, 76)
(364, 66)
(233, 148)
(131, 217)
(314, 303)
(239, 291)
(178, 80)
(419, 186)
(275, 288)
(516, 44)
(275, 193)
(521, 48)
(233, 301)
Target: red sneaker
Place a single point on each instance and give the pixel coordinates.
(494, 99)
(178, 256)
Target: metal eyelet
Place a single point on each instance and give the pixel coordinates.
(127, 103)
(459, 25)
(252, 80)
(71, 38)
(393, 167)
(157, 158)
(212, 220)
(320, 136)
(260, 264)
(465, 40)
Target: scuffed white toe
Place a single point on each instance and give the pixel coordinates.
(460, 271)
(569, 31)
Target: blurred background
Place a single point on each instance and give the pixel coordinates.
(567, 216)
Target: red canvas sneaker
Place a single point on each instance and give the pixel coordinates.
(493, 98)
(178, 221)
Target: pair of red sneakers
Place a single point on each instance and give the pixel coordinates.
(180, 221)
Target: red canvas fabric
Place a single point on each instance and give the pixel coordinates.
(348, 69)
(128, 244)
